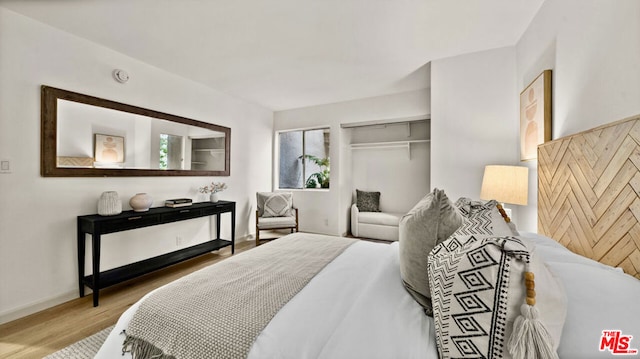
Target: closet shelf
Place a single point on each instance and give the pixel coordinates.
(212, 151)
(389, 144)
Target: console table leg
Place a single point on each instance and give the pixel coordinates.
(218, 225)
(233, 229)
(95, 240)
(81, 254)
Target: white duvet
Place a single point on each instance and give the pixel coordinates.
(600, 298)
(357, 307)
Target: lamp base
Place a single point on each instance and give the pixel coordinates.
(505, 212)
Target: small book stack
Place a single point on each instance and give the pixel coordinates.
(178, 202)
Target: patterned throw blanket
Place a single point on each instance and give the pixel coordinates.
(219, 311)
(471, 293)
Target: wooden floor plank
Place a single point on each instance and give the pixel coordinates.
(50, 330)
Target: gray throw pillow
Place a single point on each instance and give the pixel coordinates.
(367, 201)
(278, 204)
(431, 221)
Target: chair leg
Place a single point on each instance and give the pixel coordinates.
(257, 229)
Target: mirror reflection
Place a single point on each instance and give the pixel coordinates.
(170, 152)
(99, 137)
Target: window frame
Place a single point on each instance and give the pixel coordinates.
(276, 172)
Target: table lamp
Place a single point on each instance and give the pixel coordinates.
(505, 184)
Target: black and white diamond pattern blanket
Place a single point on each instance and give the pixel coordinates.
(469, 279)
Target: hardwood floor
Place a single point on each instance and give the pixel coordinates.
(46, 332)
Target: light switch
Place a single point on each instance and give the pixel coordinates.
(5, 166)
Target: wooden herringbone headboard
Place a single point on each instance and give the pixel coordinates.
(589, 193)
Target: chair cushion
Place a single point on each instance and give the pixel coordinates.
(381, 218)
(276, 222)
(430, 222)
(368, 201)
(274, 204)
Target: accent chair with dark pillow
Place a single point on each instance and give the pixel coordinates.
(368, 220)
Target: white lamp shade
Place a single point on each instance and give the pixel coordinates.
(505, 184)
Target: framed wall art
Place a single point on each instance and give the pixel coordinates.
(535, 116)
(108, 149)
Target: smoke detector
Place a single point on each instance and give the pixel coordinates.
(120, 75)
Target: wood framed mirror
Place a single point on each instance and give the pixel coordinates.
(86, 136)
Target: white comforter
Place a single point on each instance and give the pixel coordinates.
(356, 307)
(600, 298)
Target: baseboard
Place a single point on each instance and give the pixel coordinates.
(37, 306)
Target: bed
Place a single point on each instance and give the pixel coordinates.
(357, 307)
(361, 303)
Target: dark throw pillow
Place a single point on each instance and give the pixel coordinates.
(368, 201)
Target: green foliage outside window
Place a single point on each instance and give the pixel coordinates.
(164, 151)
(318, 179)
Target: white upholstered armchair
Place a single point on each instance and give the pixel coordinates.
(368, 221)
(275, 211)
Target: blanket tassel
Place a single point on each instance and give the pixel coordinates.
(141, 349)
(529, 338)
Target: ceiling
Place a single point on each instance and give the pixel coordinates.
(285, 54)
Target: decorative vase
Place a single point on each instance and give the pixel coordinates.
(214, 197)
(141, 202)
(109, 204)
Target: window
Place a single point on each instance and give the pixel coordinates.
(304, 159)
(164, 150)
(170, 152)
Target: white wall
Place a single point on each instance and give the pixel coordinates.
(593, 48)
(38, 215)
(324, 211)
(474, 119)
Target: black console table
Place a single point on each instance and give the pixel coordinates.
(97, 225)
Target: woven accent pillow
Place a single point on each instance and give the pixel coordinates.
(482, 218)
(278, 204)
(368, 201)
(477, 287)
(431, 221)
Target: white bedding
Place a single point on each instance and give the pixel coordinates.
(600, 298)
(357, 307)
